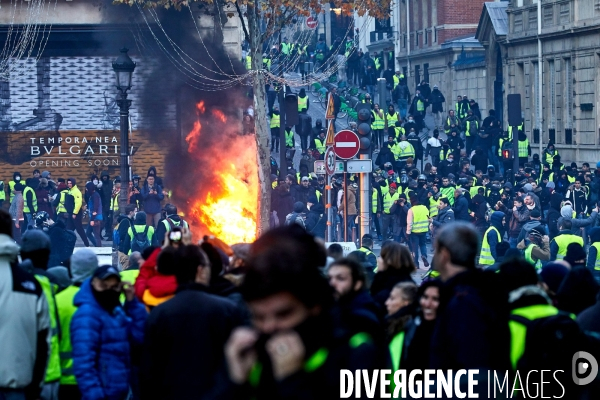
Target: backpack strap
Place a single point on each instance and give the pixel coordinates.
(146, 231)
(520, 319)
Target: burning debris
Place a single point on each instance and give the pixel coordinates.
(225, 199)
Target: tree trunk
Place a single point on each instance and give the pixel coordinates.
(262, 133)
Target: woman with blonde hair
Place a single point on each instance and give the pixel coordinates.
(395, 264)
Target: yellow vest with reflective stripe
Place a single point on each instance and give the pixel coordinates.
(61, 202)
(485, 257)
(406, 151)
(114, 202)
(140, 229)
(396, 81)
(563, 241)
(433, 207)
(248, 62)
(11, 185)
(302, 103)
(518, 331)
(388, 201)
(597, 264)
(26, 209)
(473, 190)
(537, 264)
(2, 192)
(275, 121)
(420, 219)
(510, 130)
(467, 132)
(420, 105)
(374, 199)
(392, 119)
(523, 148)
(320, 146)
(378, 122)
(289, 139)
(66, 310)
(53, 368)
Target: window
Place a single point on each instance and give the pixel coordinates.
(404, 41)
(532, 19)
(548, 16)
(425, 34)
(417, 74)
(565, 13)
(416, 39)
(434, 35)
(518, 22)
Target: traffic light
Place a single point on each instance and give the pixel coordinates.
(507, 154)
(364, 127)
(291, 109)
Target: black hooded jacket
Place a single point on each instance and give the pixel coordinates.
(554, 214)
(316, 220)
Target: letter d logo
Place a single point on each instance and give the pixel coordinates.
(583, 363)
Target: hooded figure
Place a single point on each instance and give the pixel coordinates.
(566, 213)
(157, 180)
(578, 290)
(297, 215)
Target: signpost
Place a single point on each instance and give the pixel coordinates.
(330, 161)
(319, 167)
(346, 144)
(311, 22)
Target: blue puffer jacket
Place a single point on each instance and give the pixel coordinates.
(101, 350)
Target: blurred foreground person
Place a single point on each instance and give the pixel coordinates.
(293, 349)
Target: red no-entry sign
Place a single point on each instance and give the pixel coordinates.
(311, 22)
(346, 144)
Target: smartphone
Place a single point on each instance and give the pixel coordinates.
(175, 235)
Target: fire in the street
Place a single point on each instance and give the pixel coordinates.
(226, 200)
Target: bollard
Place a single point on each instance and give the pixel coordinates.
(354, 234)
(339, 235)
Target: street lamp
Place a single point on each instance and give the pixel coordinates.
(124, 67)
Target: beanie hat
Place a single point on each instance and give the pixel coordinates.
(550, 185)
(553, 274)
(535, 213)
(60, 276)
(312, 199)
(298, 207)
(45, 174)
(90, 187)
(83, 264)
(575, 253)
(566, 212)
(33, 240)
(528, 187)
(140, 218)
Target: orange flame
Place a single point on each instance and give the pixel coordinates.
(227, 204)
(219, 114)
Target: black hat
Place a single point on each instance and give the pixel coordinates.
(105, 272)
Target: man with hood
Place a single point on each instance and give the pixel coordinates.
(566, 213)
(73, 203)
(437, 99)
(549, 153)
(316, 219)
(535, 221)
(25, 327)
(30, 200)
(275, 125)
(11, 185)
(62, 240)
(83, 264)
(417, 144)
(42, 193)
(448, 166)
(135, 231)
(492, 236)
(152, 195)
(524, 149)
(35, 253)
(102, 367)
(105, 193)
(316, 130)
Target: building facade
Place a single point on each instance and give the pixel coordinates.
(570, 47)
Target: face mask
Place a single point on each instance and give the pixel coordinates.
(18, 178)
(95, 181)
(451, 160)
(107, 299)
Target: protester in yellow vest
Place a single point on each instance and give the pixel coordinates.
(416, 229)
(83, 264)
(491, 237)
(35, 253)
(558, 245)
(303, 103)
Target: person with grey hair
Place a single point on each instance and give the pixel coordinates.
(83, 264)
(472, 331)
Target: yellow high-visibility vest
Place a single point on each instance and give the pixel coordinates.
(420, 219)
(485, 257)
(275, 121)
(302, 103)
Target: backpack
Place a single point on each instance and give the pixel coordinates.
(550, 344)
(295, 218)
(116, 236)
(140, 240)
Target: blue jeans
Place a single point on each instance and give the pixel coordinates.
(371, 91)
(418, 241)
(513, 242)
(402, 107)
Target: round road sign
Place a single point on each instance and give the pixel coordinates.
(311, 22)
(330, 161)
(346, 144)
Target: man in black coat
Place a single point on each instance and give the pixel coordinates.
(472, 319)
(437, 99)
(185, 336)
(461, 206)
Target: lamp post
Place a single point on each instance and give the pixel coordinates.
(123, 67)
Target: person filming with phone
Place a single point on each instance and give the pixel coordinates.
(103, 332)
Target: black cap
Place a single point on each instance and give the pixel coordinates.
(105, 272)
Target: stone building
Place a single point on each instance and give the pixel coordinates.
(570, 33)
(435, 43)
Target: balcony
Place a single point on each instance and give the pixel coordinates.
(377, 36)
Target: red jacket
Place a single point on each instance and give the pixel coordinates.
(150, 279)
